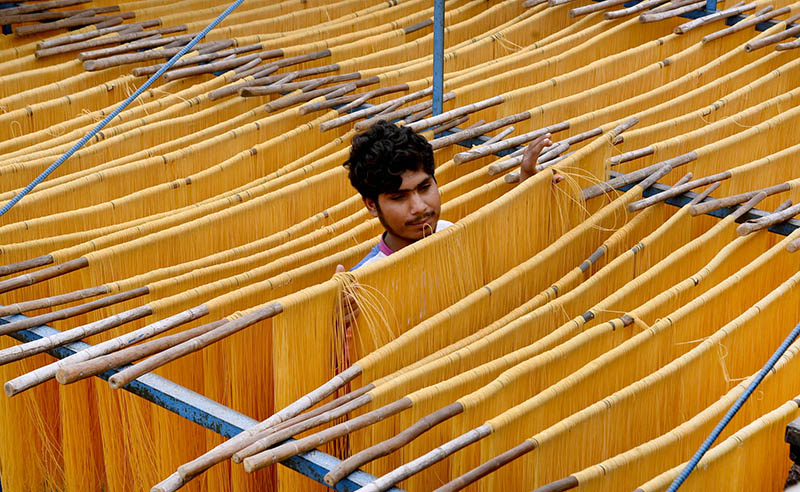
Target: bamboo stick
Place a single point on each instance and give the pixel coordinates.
(75, 21)
(82, 370)
(722, 14)
(478, 152)
(38, 346)
(329, 93)
(419, 115)
(393, 107)
(562, 485)
(123, 37)
(277, 88)
(47, 302)
(85, 36)
(170, 484)
(749, 22)
(787, 46)
(217, 66)
(677, 190)
(556, 3)
(226, 450)
(631, 155)
(500, 136)
(400, 113)
(144, 44)
(706, 207)
(39, 6)
(672, 5)
(69, 312)
(616, 14)
(259, 70)
(127, 375)
(51, 15)
(139, 71)
(26, 265)
(381, 91)
(264, 77)
(702, 196)
(412, 468)
(43, 274)
(767, 221)
(488, 467)
(480, 130)
(451, 124)
(552, 152)
(48, 372)
(454, 113)
(743, 209)
(635, 176)
(247, 66)
(532, 3)
(384, 448)
(685, 179)
(155, 54)
(272, 437)
(768, 40)
(793, 245)
(783, 206)
(280, 453)
(366, 112)
(595, 7)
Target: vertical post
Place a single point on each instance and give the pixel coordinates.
(438, 55)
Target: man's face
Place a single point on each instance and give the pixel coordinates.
(411, 212)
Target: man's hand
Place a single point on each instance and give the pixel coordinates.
(349, 303)
(531, 155)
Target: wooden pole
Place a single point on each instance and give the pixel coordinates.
(82, 370)
(632, 155)
(641, 6)
(757, 18)
(767, 221)
(595, 7)
(455, 113)
(706, 207)
(193, 60)
(280, 453)
(677, 190)
(127, 375)
(635, 176)
(226, 450)
(766, 41)
(479, 130)
(488, 467)
(272, 437)
(76, 21)
(43, 274)
(722, 14)
(364, 113)
(47, 302)
(484, 150)
(372, 453)
(69, 312)
(702, 196)
(26, 265)
(412, 468)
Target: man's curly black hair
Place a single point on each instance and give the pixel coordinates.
(380, 155)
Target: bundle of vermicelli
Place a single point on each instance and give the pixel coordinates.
(202, 219)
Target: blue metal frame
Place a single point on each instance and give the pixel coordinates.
(438, 55)
(201, 410)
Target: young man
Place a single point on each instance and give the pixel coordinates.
(392, 168)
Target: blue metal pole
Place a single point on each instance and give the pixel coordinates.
(438, 55)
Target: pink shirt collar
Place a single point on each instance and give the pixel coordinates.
(385, 249)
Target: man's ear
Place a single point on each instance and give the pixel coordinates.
(372, 207)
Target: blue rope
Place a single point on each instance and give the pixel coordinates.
(735, 408)
(117, 111)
